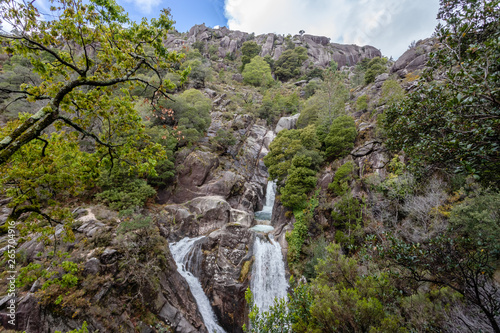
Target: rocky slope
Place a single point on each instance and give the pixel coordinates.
(319, 49)
(125, 279)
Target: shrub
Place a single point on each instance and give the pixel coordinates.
(340, 139)
(257, 73)
(249, 50)
(375, 67)
(300, 181)
(191, 114)
(289, 63)
(121, 190)
(339, 184)
(362, 103)
(391, 92)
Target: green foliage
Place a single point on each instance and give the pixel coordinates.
(200, 71)
(362, 103)
(289, 63)
(191, 115)
(131, 221)
(277, 103)
(314, 73)
(453, 124)
(340, 185)
(122, 190)
(300, 181)
(287, 145)
(249, 50)
(391, 92)
(340, 139)
(165, 169)
(276, 320)
(303, 217)
(200, 46)
(326, 104)
(213, 51)
(316, 251)
(16, 71)
(223, 139)
(478, 218)
(455, 262)
(375, 67)
(44, 171)
(311, 88)
(87, 60)
(347, 215)
(257, 73)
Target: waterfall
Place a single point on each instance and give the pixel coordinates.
(268, 273)
(267, 211)
(182, 251)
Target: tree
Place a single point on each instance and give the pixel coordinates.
(290, 144)
(458, 263)
(88, 56)
(190, 115)
(257, 73)
(289, 63)
(452, 123)
(340, 139)
(249, 50)
(375, 67)
(300, 181)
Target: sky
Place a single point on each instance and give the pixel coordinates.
(389, 25)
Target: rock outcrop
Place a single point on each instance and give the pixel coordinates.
(414, 58)
(319, 49)
(225, 265)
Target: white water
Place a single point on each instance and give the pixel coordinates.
(182, 253)
(267, 211)
(262, 228)
(268, 273)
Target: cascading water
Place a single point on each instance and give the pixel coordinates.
(268, 271)
(182, 251)
(267, 211)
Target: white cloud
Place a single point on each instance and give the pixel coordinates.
(389, 25)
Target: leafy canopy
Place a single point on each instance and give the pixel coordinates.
(257, 73)
(88, 56)
(453, 123)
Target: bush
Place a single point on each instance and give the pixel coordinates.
(121, 190)
(339, 185)
(375, 67)
(289, 63)
(301, 180)
(340, 139)
(391, 92)
(362, 103)
(249, 50)
(191, 114)
(478, 218)
(257, 73)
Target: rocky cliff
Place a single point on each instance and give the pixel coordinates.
(228, 43)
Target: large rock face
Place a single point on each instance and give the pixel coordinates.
(238, 176)
(414, 58)
(225, 265)
(319, 49)
(108, 309)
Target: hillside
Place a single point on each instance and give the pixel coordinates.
(227, 168)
